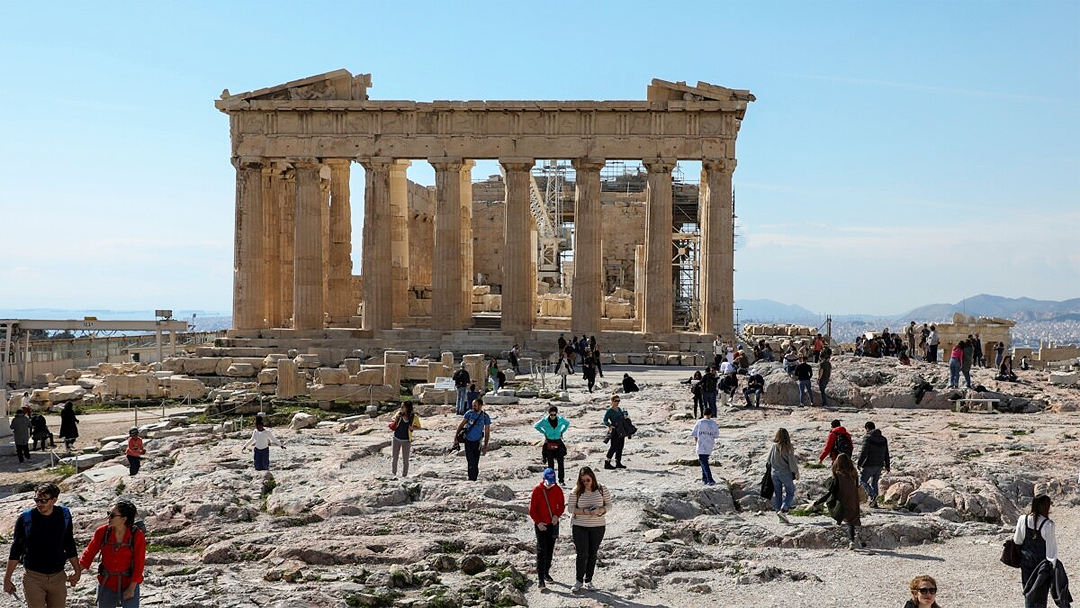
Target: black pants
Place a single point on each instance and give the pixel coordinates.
(591, 382)
(23, 450)
(1037, 599)
(134, 462)
(472, 456)
(552, 457)
(698, 405)
(587, 543)
(931, 356)
(617, 443)
(821, 384)
(545, 548)
(599, 369)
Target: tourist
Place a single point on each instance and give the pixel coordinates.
(475, 425)
(596, 359)
(20, 430)
(904, 359)
(1023, 362)
(838, 442)
(562, 344)
(404, 423)
(695, 391)
(512, 357)
(583, 346)
(706, 432)
(860, 342)
(552, 428)
(710, 383)
(122, 545)
(43, 540)
(824, 374)
(924, 345)
(932, 341)
(546, 506)
(999, 353)
(628, 384)
(563, 369)
(728, 385)
(718, 351)
(784, 467)
(1005, 370)
(69, 426)
(612, 417)
(818, 345)
(41, 432)
(726, 368)
(742, 362)
(803, 373)
(493, 374)
(135, 450)
(588, 371)
(842, 496)
(571, 356)
(1035, 536)
(969, 356)
(873, 457)
(923, 593)
(767, 352)
(979, 358)
(589, 503)
(909, 333)
(755, 386)
(791, 359)
(956, 363)
(461, 383)
(260, 439)
(471, 395)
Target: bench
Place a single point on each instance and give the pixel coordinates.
(982, 406)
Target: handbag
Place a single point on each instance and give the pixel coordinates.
(767, 483)
(554, 527)
(1010, 554)
(394, 423)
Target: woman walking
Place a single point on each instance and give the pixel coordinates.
(261, 438)
(69, 426)
(545, 508)
(785, 470)
(695, 390)
(552, 428)
(923, 593)
(1038, 544)
(956, 363)
(611, 420)
(135, 451)
(589, 504)
(564, 368)
(842, 496)
(122, 546)
(402, 425)
(588, 371)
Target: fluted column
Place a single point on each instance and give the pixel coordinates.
(378, 291)
(340, 300)
(518, 284)
(588, 294)
(287, 234)
(467, 273)
(308, 271)
(272, 191)
(447, 265)
(399, 239)
(324, 210)
(718, 248)
(248, 261)
(658, 248)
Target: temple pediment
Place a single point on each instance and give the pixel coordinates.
(662, 90)
(335, 85)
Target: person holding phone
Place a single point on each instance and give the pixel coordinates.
(589, 504)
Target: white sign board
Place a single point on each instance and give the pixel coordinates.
(442, 382)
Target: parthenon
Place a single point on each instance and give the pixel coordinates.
(293, 146)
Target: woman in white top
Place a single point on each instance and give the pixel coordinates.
(1035, 536)
(588, 505)
(261, 438)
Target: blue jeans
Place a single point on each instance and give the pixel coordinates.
(462, 400)
(966, 369)
(109, 598)
(783, 490)
(262, 459)
(706, 472)
(757, 396)
(868, 479)
(710, 402)
(804, 389)
(954, 373)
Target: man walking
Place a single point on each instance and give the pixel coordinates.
(20, 429)
(43, 540)
(803, 373)
(476, 425)
(709, 384)
(461, 383)
(873, 457)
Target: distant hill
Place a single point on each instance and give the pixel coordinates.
(769, 311)
(984, 305)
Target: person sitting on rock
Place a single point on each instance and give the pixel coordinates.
(742, 363)
(755, 386)
(1005, 370)
(1024, 363)
(628, 384)
(791, 359)
(728, 385)
(41, 432)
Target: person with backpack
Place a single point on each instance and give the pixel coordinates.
(709, 385)
(705, 431)
(546, 505)
(1035, 536)
(552, 428)
(122, 545)
(461, 383)
(402, 426)
(838, 442)
(784, 467)
(612, 417)
(43, 540)
(475, 425)
(803, 373)
(873, 457)
(261, 438)
(135, 450)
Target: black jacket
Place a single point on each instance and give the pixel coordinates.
(461, 378)
(875, 450)
(803, 371)
(1050, 575)
(708, 383)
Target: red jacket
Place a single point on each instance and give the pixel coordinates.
(538, 509)
(117, 558)
(832, 441)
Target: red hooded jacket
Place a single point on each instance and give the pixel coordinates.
(831, 441)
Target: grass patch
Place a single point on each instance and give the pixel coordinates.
(382, 599)
(451, 546)
(814, 465)
(799, 512)
(1019, 432)
(120, 487)
(63, 470)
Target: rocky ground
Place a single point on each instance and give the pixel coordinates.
(329, 526)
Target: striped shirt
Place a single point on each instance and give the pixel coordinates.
(589, 499)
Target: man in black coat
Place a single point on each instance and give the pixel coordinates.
(873, 457)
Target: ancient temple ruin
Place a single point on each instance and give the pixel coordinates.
(293, 146)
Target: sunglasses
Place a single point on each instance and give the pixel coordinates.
(928, 591)
(40, 500)
(111, 515)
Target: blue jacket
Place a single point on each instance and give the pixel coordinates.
(552, 433)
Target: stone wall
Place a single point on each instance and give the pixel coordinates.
(624, 229)
(421, 235)
(488, 225)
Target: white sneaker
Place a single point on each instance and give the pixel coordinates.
(783, 518)
(575, 588)
(589, 587)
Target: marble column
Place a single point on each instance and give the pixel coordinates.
(272, 192)
(659, 297)
(287, 234)
(339, 304)
(308, 270)
(399, 239)
(588, 291)
(518, 312)
(448, 265)
(378, 283)
(324, 205)
(718, 248)
(249, 279)
(467, 272)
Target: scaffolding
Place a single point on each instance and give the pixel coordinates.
(547, 184)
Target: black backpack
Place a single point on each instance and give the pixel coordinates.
(843, 444)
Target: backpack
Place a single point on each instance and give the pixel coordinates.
(139, 526)
(27, 518)
(843, 444)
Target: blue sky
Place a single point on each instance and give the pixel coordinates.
(899, 153)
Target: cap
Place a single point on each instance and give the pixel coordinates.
(549, 475)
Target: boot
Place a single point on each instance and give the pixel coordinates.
(619, 465)
(607, 465)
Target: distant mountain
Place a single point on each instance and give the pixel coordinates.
(768, 311)
(984, 305)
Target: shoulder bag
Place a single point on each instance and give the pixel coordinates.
(552, 524)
